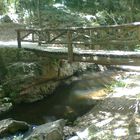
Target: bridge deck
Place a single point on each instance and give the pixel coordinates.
(93, 56)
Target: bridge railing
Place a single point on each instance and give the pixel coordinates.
(91, 38)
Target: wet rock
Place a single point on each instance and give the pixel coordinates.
(48, 131)
(28, 82)
(9, 126)
(36, 93)
(4, 107)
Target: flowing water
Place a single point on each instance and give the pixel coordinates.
(70, 100)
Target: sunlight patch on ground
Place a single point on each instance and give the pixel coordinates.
(113, 117)
(120, 123)
(8, 43)
(104, 122)
(128, 92)
(131, 87)
(107, 125)
(84, 134)
(132, 68)
(119, 132)
(13, 43)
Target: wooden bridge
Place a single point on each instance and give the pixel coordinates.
(101, 45)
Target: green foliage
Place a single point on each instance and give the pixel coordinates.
(3, 6)
(13, 95)
(3, 70)
(114, 85)
(113, 11)
(53, 17)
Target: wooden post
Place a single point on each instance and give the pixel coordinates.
(33, 38)
(39, 38)
(70, 48)
(40, 22)
(19, 38)
(139, 33)
(91, 43)
(48, 37)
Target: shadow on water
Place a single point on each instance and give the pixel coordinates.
(69, 101)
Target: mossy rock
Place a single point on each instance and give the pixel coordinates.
(4, 107)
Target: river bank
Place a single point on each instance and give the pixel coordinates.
(79, 96)
(114, 115)
(27, 78)
(117, 117)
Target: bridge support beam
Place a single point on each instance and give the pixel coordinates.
(98, 57)
(19, 39)
(70, 47)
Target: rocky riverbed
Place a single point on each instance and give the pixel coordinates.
(116, 116)
(25, 77)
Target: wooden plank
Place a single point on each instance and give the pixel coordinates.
(132, 25)
(100, 42)
(128, 26)
(108, 60)
(138, 33)
(98, 57)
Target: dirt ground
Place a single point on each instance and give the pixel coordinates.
(8, 31)
(117, 117)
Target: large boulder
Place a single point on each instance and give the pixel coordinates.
(9, 126)
(48, 131)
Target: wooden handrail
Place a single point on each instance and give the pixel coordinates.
(130, 25)
(125, 34)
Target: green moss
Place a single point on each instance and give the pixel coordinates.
(23, 70)
(3, 70)
(11, 55)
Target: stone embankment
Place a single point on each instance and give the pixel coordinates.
(26, 77)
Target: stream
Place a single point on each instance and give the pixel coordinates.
(71, 99)
(87, 101)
